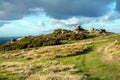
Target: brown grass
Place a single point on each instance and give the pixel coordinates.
(16, 68)
(49, 52)
(56, 71)
(42, 71)
(54, 76)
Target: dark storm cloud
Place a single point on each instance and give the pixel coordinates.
(13, 9)
(118, 5)
(69, 8)
(59, 9)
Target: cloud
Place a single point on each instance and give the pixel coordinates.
(31, 25)
(58, 9)
(70, 8)
(112, 15)
(69, 21)
(40, 23)
(36, 25)
(118, 5)
(111, 26)
(13, 9)
(3, 23)
(33, 17)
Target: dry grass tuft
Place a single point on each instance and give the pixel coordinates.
(42, 71)
(56, 71)
(54, 76)
(16, 67)
(49, 52)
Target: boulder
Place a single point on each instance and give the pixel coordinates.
(64, 31)
(97, 31)
(77, 29)
(91, 30)
(13, 40)
(59, 31)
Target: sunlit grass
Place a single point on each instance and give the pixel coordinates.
(76, 60)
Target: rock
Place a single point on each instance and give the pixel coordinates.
(97, 31)
(64, 31)
(102, 30)
(60, 31)
(77, 29)
(91, 30)
(12, 40)
(19, 39)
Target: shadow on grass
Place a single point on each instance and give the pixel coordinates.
(86, 51)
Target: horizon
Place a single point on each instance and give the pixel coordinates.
(12, 37)
(31, 18)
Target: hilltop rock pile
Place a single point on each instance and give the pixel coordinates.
(77, 29)
(59, 31)
(97, 31)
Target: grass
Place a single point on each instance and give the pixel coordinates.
(48, 52)
(91, 63)
(111, 51)
(76, 60)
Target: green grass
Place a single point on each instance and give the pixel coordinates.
(88, 63)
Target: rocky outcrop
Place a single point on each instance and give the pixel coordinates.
(64, 31)
(77, 29)
(19, 39)
(60, 31)
(14, 39)
(97, 31)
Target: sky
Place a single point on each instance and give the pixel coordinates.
(36, 17)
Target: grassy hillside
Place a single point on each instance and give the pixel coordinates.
(54, 38)
(73, 59)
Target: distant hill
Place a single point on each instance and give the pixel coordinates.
(3, 40)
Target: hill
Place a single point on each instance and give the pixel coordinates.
(3, 40)
(74, 57)
(58, 36)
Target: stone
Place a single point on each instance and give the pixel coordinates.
(77, 29)
(97, 31)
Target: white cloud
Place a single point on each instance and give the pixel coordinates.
(111, 26)
(24, 23)
(40, 23)
(69, 21)
(35, 25)
(112, 15)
